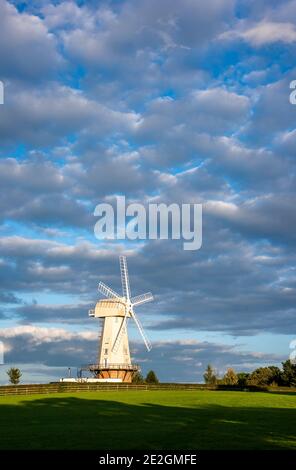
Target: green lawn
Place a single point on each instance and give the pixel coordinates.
(149, 420)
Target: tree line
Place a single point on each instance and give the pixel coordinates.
(263, 376)
(151, 378)
(15, 374)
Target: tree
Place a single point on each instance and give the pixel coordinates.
(277, 375)
(230, 378)
(289, 373)
(151, 378)
(138, 378)
(209, 376)
(265, 376)
(242, 378)
(14, 375)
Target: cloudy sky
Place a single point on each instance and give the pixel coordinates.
(170, 101)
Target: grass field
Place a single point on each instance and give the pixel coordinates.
(149, 420)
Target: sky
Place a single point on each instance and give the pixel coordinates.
(167, 101)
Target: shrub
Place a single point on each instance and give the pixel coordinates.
(230, 378)
(138, 378)
(265, 376)
(14, 375)
(242, 378)
(289, 374)
(151, 378)
(210, 377)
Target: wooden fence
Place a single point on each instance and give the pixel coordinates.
(71, 387)
(76, 388)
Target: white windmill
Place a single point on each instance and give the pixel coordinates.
(114, 361)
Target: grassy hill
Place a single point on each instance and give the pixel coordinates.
(149, 420)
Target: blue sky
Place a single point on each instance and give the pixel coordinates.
(179, 101)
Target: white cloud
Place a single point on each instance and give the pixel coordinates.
(44, 116)
(27, 49)
(226, 209)
(17, 245)
(267, 32)
(263, 33)
(223, 102)
(39, 335)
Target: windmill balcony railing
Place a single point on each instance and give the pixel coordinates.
(121, 366)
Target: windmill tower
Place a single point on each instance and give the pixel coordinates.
(114, 361)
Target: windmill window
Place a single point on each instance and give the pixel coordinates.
(106, 351)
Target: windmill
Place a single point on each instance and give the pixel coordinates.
(114, 361)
